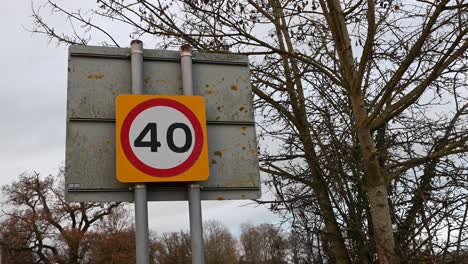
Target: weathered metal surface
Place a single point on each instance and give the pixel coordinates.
(97, 75)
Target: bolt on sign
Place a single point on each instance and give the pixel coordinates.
(161, 138)
(99, 76)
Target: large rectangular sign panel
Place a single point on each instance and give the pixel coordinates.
(98, 75)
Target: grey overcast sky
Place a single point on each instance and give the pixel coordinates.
(32, 119)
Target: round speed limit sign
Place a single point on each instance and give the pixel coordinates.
(161, 138)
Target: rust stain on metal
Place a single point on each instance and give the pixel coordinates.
(218, 153)
(220, 198)
(213, 161)
(241, 108)
(252, 182)
(147, 79)
(186, 47)
(209, 90)
(95, 76)
(244, 130)
(234, 87)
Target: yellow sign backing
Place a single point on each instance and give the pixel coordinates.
(161, 138)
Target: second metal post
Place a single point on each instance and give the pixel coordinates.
(195, 212)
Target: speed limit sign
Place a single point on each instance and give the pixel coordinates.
(161, 138)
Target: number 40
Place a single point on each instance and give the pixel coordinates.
(154, 144)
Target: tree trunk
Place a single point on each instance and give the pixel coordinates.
(333, 232)
(73, 243)
(296, 96)
(352, 81)
(376, 185)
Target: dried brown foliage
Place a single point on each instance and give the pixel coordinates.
(38, 220)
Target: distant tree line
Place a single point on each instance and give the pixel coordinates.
(37, 225)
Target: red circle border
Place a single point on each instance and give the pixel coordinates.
(154, 172)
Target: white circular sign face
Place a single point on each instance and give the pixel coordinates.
(161, 137)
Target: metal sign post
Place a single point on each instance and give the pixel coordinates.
(195, 213)
(141, 203)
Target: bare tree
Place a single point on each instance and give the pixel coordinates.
(362, 109)
(14, 248)
(262, 244)
(174, 248)
(38, 220)
(113, 240)
(116, 247)
(219, 244)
